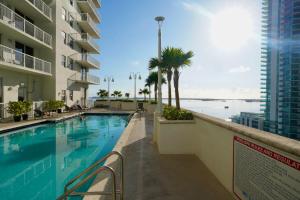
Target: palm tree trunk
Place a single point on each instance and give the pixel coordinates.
(155, 91)
(169, 77)
(176, 86)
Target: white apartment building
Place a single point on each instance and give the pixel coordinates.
(46, 49)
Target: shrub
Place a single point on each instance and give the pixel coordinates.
(27, 106)
(171, 113)
(16, 108)
(53, 105)
(153, 102)
(60, 104)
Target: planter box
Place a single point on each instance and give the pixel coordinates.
(175, 136)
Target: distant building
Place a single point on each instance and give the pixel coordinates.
(280, 68)
(253, 120)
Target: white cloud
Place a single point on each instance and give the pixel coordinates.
(240, 69)
(196, 8)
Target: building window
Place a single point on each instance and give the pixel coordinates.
(63, 95)
(71, 95)
(71, 20)
(1, 90)
(63, 60)
(71, 41)
(64, 35)
(71, 2)
(71, 64)
(64, 14)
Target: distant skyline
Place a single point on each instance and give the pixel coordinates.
(225, 65)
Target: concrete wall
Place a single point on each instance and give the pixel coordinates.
(211, 139)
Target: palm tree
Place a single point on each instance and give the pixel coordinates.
(116, 94)
(166, 66)
(181, 59)
(153, 80)
(102, 93)
(144, 91)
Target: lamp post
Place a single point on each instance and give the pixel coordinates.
(159, 20)
(134, 76)
(109, 79)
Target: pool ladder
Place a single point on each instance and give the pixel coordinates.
(69, 192)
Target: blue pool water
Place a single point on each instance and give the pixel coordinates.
(36, 162)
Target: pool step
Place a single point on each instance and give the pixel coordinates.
(98, 168)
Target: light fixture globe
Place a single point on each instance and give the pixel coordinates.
(159, 19)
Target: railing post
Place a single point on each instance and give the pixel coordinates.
(34, 64)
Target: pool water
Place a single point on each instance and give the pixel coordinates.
(36, 162)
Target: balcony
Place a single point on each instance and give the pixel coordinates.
(21, 29)
(88, 25)
(97, 3)
(88, 6)
(35, 9)
(11, 59)
(85, 79)
(86, 60)
(86, 42)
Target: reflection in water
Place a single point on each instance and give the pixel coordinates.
(36, 163)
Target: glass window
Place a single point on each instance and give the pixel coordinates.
(71, 95)
(64, 14)
(64, 35)
(71, 20)
(71, 63)
(71, 42)
(63, 60)
(1, 90)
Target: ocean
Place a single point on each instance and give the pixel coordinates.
(216, 108)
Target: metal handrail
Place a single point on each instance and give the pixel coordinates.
(43, 7)
(71, 192)
(9, 55)
(20, 23)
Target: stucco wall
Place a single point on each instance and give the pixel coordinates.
(211, 140)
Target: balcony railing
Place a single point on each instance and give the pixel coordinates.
(89, 58)
(92, 79)
(85, 17)
(25, 61)
(16, 21)
(43, 7)
(92, 6)
(85, 78)
(85, 38)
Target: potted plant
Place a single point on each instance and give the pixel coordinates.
(59, 105)
(26, 109)
(16, 108)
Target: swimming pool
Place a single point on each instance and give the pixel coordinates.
(36, 162)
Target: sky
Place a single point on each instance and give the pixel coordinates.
(226, 63)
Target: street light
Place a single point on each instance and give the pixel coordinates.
(108, 79)
(159, 20)
(134, 76)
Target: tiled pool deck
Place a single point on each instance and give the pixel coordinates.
(151, 176)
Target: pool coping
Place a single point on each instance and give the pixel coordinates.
(16, 126)
(121, 143)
